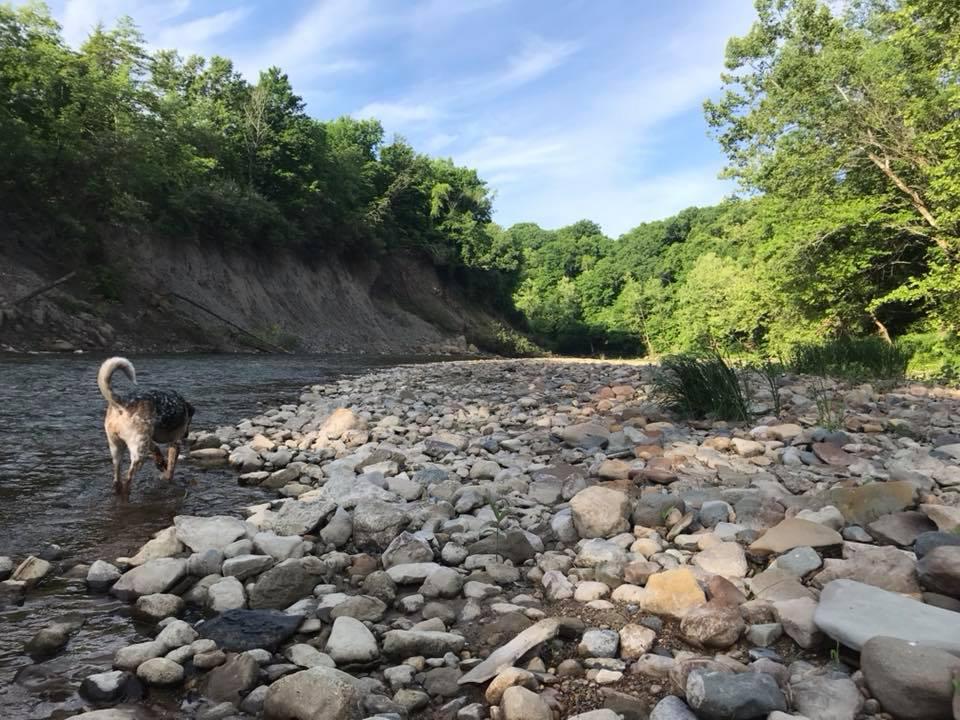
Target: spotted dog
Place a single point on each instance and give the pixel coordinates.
(138, 420)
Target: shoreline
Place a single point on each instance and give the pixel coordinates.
(432, 514)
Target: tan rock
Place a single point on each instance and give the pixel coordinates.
(791, 533)
(600, 512)
(636, 641)
(672, 593)
(508, 678)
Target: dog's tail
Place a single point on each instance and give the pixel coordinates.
(109, 367)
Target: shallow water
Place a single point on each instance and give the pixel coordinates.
(55, 476)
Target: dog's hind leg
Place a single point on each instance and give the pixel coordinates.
(173, 452)
(158, 458)
(116, 452)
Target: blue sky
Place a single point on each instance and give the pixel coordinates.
(568, 108)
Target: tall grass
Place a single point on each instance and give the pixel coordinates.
(701, 387)
(850, 358)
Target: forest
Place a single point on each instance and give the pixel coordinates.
(841, 126)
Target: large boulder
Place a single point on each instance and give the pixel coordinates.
(853, 613)
(154, 576)
(862, 505)
(239, 630)
(911, 681)
(203, 533)
(320, 693)
(377, 523)
(600, 512)
(284, 584)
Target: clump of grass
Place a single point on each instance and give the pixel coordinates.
(771, 372)
(830, 409)
(851, 358)
(701, 387)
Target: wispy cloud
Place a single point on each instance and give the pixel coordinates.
(398, 114)
(537, 58)
(193, 35)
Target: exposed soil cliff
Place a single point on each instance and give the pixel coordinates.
(186, 296)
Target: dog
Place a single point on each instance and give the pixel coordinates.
(138, 420)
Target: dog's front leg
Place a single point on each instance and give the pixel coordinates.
(158, 458)
(136, 462)
(173, 452)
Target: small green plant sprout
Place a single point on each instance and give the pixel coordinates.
(835, 654)
(500, 509)
(830, 410)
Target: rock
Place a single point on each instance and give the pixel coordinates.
(726, 559)
(110, 686)
(886, 567)
(154, 576)
(747, 448)
(320, 693)
(307, 656)
(351, 642)
(339, 529)
(132, 656)
(406, 548)
(101, 576)
(862, 505)
(911, 681)
(513, 545)
(827, 515)
(51, 639)
(31, 571)
(793, 533)
(774, 584)
(946, 518)
(175, 634)
(163, 544)
(797, 619)
(672, 708)
(599, 644)
(600, 512)
(852, 613)
(158, 606)
(206, 563)
(826, 698)
(730, 696)
(587, 591)
(412, 573)
(409, 643)
(930, 540)
(714, 625)
(799, 561)
(714, 512)
(227, 594)
(239, 630)
(508, 678)
(586, 436)
(231, 681)
(203, 533)
(279, 547)
(359, 607)
(900, 528)
(518, 703)
(443, 582)
(765, 634)
(939, 570)
(377, 523)
(298, 517)
(160, 672)
(283, 584)
(556, 586)
(506, 655)
(832, 454)
(672, 593)
(636, 641)
(723, 591)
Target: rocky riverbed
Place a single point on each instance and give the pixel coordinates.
(519, 540)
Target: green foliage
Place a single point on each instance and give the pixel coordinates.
(830, 408)
(115, 134)
(701, 387)
(852, 358)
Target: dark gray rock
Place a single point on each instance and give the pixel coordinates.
(930, 540)
(232, 681)
(939, 570)
(900, 528)
(239, 630)
(733, 696)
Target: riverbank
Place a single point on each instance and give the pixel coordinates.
(537, 539)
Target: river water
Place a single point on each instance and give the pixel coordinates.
(55, 476)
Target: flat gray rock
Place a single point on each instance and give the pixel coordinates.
(852, 613)
(203, 533)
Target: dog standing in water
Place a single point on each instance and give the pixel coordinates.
(138, 420)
